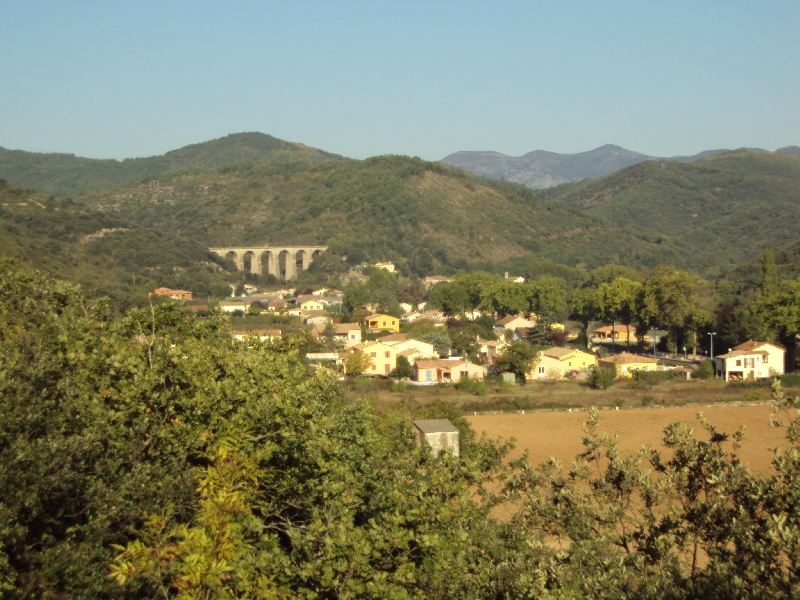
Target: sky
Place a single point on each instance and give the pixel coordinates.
(125, 79)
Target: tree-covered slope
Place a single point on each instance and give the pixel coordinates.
(388, 207)
(724, 209)
(107, 255)
(787, 266)
(67, 174)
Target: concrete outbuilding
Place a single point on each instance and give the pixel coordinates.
(439, 434)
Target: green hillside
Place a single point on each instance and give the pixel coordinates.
(787, 266)
(107, 255)
(722, 210)
(389, 207)
(70, 175)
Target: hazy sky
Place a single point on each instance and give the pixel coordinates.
(115, 79)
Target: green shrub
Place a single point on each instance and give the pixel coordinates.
(480, 389)
(505, 387)
(465, 384)
(791, 379)
(705, 370)
(647, 400)
(601, 379)
(403, 368)
(399, 386)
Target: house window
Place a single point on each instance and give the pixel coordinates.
(428, 375)
(374, 354)
(393, 322)
(739, 363)
(387, 368)
(352, 336)
(374, 368)
(386, 354)
(464, 373)
(384, 323)
(569, 363)
(541, 370)
(766, 356)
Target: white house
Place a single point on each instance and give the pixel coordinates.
(776, 354)
(348, 334)
(747, 365)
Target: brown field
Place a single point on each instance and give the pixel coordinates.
(559, 434)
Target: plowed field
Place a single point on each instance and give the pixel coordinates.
(559, 434)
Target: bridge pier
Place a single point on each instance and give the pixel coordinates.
(291, 265)
(272, 264)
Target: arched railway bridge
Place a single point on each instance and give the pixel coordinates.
(280, 261)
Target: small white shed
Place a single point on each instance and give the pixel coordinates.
(439, 434)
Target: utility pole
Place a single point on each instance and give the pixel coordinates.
(711, 335)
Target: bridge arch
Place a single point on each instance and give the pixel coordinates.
(250, 262)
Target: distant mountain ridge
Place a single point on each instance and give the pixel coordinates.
(69, 175)
(542, 169)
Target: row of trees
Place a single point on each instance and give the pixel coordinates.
(680, 302)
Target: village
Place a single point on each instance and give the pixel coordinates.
(414, 345)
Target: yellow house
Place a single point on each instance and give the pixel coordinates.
(624, 365)
(424, 349)
(383, 356)
(555, 362)
(312, 305)
(380, 322)
(617, 332)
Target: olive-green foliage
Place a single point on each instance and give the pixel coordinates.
(698, 525)
(705, 370)
(441, 342)
(601, 379)
(109, 426)
(697, 212)
(403, 368)
(67, 174)
(106, 255)
(518, 358)
(152, 450)
(423, 215)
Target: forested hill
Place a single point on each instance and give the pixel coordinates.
(721, 210)
(388, 207)
(70, 175)
(787, 266)
(107, 255)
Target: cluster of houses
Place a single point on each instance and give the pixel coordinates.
(752, 360)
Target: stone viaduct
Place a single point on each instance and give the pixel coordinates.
(270, 257)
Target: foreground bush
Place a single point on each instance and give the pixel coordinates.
(153, 457)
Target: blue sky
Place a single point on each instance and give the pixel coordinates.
(116, 79)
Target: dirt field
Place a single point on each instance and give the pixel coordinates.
(559, 434)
